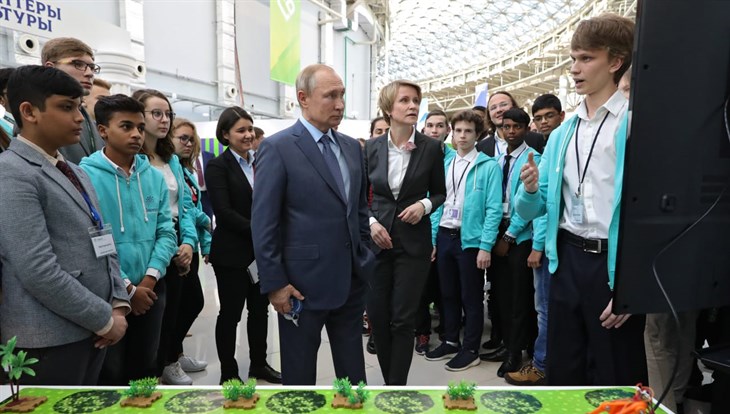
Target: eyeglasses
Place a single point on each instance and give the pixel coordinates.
(81, 65)
(186, 139)
(500, 105)
(548, 116)
(515, 127)
(157, 114)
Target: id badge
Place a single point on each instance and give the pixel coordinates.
(577, 210)
(102, 240)
(454, 213)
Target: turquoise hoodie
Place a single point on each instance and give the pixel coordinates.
(482, 203)
(202, 221)
(138, 210)
(186, 214)
(549, 197)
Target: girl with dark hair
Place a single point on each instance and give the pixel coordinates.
(230, 182)
(160, 150)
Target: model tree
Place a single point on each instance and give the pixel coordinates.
(239, 394)
(17, 364)
(345, 396)
(460, 396)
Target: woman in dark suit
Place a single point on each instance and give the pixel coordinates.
(229, 179)
(406, 171)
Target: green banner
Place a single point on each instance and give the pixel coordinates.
(285, 43)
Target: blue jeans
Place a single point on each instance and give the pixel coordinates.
(542, 294)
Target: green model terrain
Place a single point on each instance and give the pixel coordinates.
(524, 401)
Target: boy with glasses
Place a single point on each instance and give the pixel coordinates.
(76, 59)
(547, 113)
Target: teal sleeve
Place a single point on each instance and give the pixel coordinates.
(165, 237)
(539, 226)
(435, 220)
(518, 223)
(187, 214)
(203, 226)
(531, 206)
(492, 207)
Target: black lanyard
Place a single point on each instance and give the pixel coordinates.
(590, 154)
(453, 177)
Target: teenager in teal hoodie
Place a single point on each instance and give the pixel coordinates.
(578, 185)
(159, 148)
(464, 230)
(134, 203)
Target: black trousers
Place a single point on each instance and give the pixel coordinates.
(513, 291)
(234, 290)
(579, 350)
(77, 363)
(431, 294)
(462, 285)
(174, 283)
(299, 344)
(397, 286)
(191, 303)
(135, 355)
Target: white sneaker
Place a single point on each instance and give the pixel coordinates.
(174, 375)
(190, 364)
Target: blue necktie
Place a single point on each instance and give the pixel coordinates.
(333, 164)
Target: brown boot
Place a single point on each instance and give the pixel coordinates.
(527, 375)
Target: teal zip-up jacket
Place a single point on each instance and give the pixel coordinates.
(186, 214)
(202, 221)
(549, 197)
(482, 209)
(138, 210)
(519, 226)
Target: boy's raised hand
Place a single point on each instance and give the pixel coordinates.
(529, 174)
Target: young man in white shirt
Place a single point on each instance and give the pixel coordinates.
(578, 185)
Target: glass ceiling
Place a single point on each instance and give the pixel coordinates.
(430, 38)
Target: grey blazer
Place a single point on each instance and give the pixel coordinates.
(55, 290)
(84, 148)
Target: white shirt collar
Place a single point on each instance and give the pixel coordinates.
(239, 158)
(469, 157)
(118, 168)
(615, 104)
(411, 139)
(53, 160)
(518, 151)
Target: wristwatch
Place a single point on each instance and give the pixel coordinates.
(509, 239)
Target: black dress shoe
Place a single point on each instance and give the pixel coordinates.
(265, 373)
(492, 344)
(370, 347)
(512, 364)
(498, 355)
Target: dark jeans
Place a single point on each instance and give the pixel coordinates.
(234, 289)
(514, 294)
(431, 294)
(77, 363)
(397, 286)
(579, 350)
(135, 355)
(462, 286)
(191, 303)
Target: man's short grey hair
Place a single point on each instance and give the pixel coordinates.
(306, 79)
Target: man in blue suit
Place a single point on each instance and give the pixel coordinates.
(310, 231)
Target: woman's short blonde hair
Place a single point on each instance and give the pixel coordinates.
(389, 93)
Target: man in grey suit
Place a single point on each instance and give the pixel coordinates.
(62, 294)
(76, 59)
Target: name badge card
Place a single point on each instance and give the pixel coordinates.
(453, 213)
(102, 240)
(577, 211)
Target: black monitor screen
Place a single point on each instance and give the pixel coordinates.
(677, 160)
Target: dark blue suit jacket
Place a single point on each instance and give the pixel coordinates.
(304, 233)
(205, 199)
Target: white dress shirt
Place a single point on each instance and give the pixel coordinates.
(455, 188)
(516, 154)
(598, 187)
(500, 145)
(172, 187)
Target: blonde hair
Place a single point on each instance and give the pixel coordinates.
(63, 47)
(188, 163)
(389, 93)
(102, 83)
